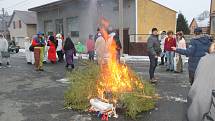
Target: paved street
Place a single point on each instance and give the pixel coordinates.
(26, 95)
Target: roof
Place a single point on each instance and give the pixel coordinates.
(60, 2)
(163, 6)
(56, 3)
(26, 17)
(203, 23)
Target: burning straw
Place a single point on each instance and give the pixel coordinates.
(109, 84)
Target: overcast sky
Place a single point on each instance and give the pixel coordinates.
(190, 8)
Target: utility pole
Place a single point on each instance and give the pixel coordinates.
(3, 21)
(121, 23)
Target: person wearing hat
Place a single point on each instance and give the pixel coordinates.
(90, 46)
(29, 54)
(38, 43)
(197, 49)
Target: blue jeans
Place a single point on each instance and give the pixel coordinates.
(170, 59)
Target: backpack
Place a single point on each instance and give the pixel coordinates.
(210, 116)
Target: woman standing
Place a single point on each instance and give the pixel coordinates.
(29, 54)
(181, 43)
(52, 50)
(170, 42)
(69, 49)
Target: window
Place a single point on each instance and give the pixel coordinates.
(20, 24)
(48, 27)
(14, 25)
(73, 24)
(59, 26)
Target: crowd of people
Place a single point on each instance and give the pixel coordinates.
(41, 49)
(170, 47)
(173, 50)
(201, 54)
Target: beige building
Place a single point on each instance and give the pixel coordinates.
(151, 14)
(22, 24)
(212, 16)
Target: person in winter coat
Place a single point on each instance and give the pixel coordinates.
(60, 48)
(90, 44)
(162, 41)
(170, 42)
(154, 50)
(70, 52)
(101, 49)
(180, 59)
(29, 54)
(3, 48)
(198, 48)
(200, 93)
(52, 50)
(38, 43)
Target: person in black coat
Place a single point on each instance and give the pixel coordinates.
(198, 47)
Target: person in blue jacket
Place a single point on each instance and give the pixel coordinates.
(198, 47)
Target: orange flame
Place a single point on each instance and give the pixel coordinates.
(115, 77)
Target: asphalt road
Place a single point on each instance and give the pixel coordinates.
(27, 95)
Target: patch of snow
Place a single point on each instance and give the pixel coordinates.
(64, 81)
(22, 50)
(176, 99)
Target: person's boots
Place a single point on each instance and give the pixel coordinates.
(67, 65)
(73, 66)
(8, 64)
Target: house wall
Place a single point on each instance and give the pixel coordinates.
(152, 15)
(89, 15)
(18, 34)
(193, 25)
(31, 30)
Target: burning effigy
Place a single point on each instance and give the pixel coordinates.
(109, 85)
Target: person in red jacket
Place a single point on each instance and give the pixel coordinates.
(170, 42)
(52, 50)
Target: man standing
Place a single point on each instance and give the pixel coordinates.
(198, 47)
(154, 50)
(90, 44)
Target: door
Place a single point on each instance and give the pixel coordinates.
(126, 41)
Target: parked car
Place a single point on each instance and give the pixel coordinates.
(13, 47)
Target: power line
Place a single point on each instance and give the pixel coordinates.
(21, 2)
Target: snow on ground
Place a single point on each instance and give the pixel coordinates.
(125, 58)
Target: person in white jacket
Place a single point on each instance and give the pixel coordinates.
(3, 48)
(180, 59)
(29, 55)
(60, 48)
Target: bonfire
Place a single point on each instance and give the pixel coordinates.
(109, 85)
